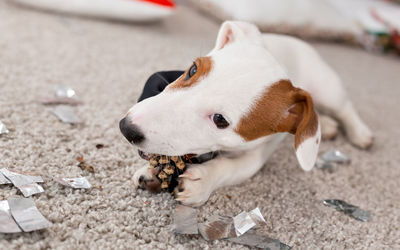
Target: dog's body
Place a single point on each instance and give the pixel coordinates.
(239, 100)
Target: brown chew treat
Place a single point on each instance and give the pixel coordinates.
(167, 170)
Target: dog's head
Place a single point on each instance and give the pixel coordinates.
(232, 99)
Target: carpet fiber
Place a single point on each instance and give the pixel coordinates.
(107, 64)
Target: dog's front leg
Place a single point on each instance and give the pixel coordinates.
(199, 181)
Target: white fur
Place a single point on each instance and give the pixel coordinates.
(245, 63)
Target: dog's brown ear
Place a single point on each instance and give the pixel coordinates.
(284, 108)
(232, 31)
(301, 120)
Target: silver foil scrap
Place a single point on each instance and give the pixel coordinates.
(321, 164)
(26, 214)
(4, 180)
(259, 241)
(62, 91)
(65, 114)
(351, 210)
(335, 156)
(62, 95)
(244, 221)
(225, 227)
(59, 100)
(79, 182)
(27, 184)
(30, 189)
(7, 223)
(222, 227)
(19, 179)
(217, 227)
(3, 129)
(185, 220)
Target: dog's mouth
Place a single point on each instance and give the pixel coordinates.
(187, 158)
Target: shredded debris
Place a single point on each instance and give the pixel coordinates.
(335, 156)
(185, 220)
(26, 214)
(82, 165)
(246, 220)
(30, 189)
(62, 91)
(321, 164)
(7, 223)
(19, 178)
(328, 160)
(79, 182)
(351, 210)
(4, 180)
(27, 184)
(225, 227)
(217, 227)
(65, 114)
(3, 129)
(260, 241)
(59, 101)
(62, 95)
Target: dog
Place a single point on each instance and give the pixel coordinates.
(241, 100)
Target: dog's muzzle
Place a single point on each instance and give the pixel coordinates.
(155, 85)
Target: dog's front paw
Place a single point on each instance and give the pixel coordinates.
(195, 186)
(145, 178)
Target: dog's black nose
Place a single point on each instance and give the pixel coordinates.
(131, 132)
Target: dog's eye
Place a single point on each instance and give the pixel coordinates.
(191, 71)
(219, 121)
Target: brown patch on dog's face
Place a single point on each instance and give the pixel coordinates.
(281, 108)
(203, 66)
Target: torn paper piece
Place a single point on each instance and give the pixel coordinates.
(355, 212)
(3, 179)
(185, 220)
(335, 156)
(243, 223)
(26, 214)
(218, 227)
(65, 114)
(18, 178)
(62, 91)
(79, 182)
(3, 129)
(31, 189)
(259, 241)
(7, 223)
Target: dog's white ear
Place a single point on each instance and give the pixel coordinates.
(232, 31)
(303, 122)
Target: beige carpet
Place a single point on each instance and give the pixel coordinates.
(107, 64)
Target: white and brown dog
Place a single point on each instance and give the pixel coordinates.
(242, 99)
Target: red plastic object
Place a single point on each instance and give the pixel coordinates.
(165, 3)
